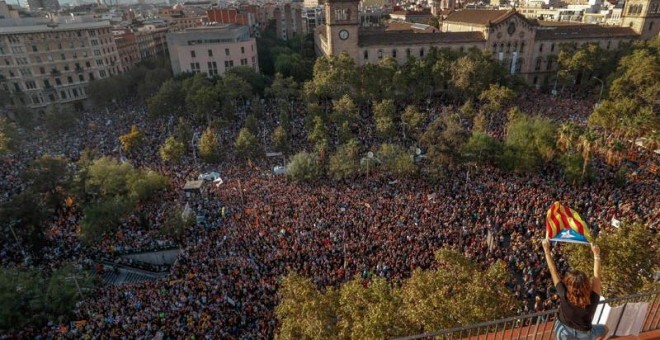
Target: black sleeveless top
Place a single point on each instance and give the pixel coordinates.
(574, 317)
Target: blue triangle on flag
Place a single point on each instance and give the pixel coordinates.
(570, 236)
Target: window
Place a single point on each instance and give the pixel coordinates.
(242, 50)
(244, 62)
(229, 63)
(650, 25)
(549, 67)
(210, 53)
(102, 74)
(46, 83)
(541, 48)
(58, 81)
(522, 47)
(34, 48)
(408, 53)
(366, 54)
(62, 94)
(536, 80)
(37, 59)
(194, 67)
(88, 64)
(91, 76)
(42, 70)
(213, 68)
(421, 52)
(538, 64)
(192, 54)
(75, 92)
(70, 79)
(380, 54)
(226, 51)
(81, 77)
(394, 54)
(552, 47)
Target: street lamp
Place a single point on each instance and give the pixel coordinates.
(602, 85)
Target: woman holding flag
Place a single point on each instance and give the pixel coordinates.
(579, 298)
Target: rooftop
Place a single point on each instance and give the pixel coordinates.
(408, 38)
(583, 31)
(479, 16)
(36, 28)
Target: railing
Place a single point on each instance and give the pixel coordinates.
(540, 325)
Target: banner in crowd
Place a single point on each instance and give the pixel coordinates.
(562, 224)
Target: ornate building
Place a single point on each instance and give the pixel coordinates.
(527, 47)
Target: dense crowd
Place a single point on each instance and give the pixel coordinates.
(224, 282)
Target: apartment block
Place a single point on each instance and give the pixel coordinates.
(42, 64)
(212, 49)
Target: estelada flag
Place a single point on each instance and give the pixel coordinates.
(563, 224)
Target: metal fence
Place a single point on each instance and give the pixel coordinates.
(540, 325)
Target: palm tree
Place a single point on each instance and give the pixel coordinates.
(586, 145)
(567, 134)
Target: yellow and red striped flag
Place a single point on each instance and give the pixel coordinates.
(563, 224)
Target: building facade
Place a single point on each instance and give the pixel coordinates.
(212, 49)
(643, 16)
(525, 47)
(151, 39)
(127, 47)
(53, 64)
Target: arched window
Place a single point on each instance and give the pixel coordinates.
(394, 53)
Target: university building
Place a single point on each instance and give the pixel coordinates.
(525, 46)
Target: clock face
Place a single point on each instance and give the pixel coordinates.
(511, 29)
(343, 34)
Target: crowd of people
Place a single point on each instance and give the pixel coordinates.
(224, 282)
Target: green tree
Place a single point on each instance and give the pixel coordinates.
(319, 135)
(384, 112)
(104, 217)
(247, 146)
(631, 109)
(51, 177)
(251, 124)
(280, 139)
(209, 146)
(132, 140)
(283, 89)
(482, 148)
(530, 142)
(496, 97)
(304, 312)
(629, 256)
(411, 120)
(458, 293)
(334, 76)
(172, 150)
(30, 298)
(304, 166)
(60, 118)
(473, 73)
(176, 224)
(345, 162)
(587, 144)
(371, 312)
(344, 110)
(572, 165)
(443, 140)
(396, 160)
(8, 136)
(168, 101)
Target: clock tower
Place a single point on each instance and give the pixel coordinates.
(342, 20)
